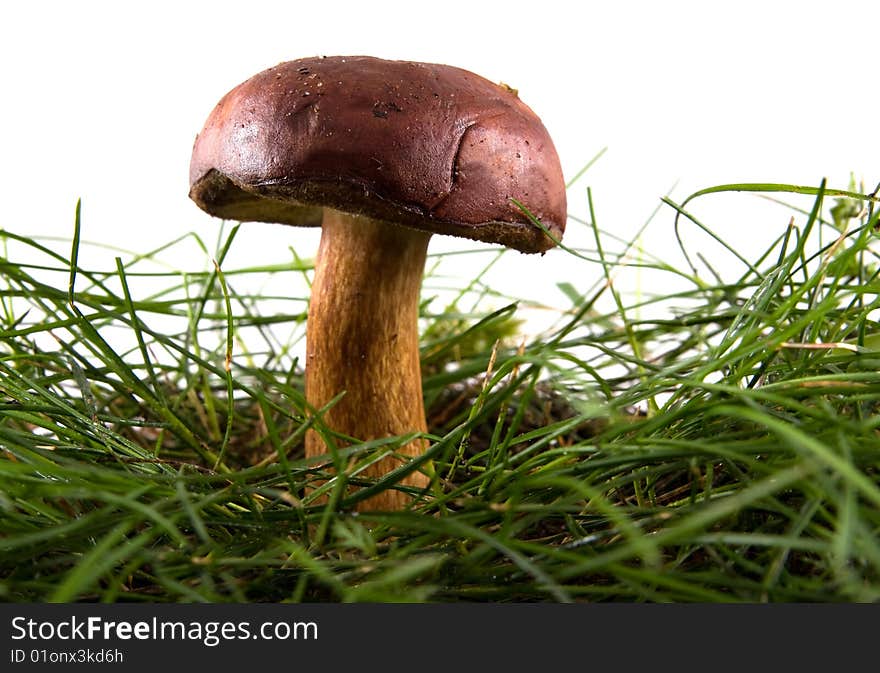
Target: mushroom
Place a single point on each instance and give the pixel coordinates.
(381, 154)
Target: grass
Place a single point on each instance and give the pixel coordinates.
(715, 444)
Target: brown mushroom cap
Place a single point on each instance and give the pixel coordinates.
(432, 147)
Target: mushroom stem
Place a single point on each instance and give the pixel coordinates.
(362, 339)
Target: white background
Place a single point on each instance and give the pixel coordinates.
(102, 100)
